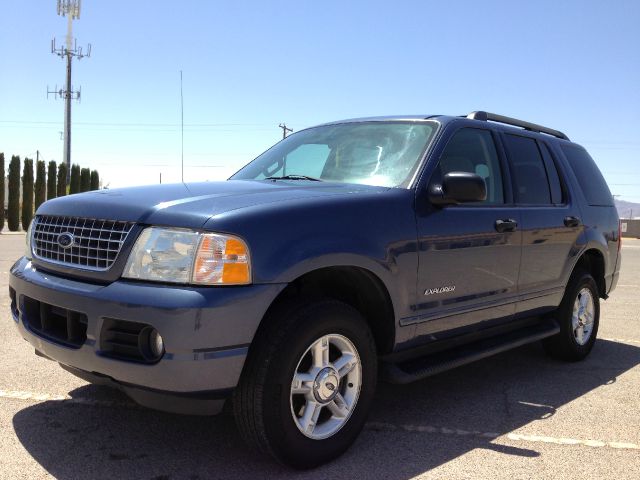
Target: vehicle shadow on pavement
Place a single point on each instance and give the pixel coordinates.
(412, 428)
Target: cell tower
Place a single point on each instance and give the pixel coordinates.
(70, 9)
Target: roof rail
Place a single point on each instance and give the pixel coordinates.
(486, 116)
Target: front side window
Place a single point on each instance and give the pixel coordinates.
(473, 150)
(371, 153)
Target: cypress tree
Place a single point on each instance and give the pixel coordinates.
(27, 193)
(62, 180)
(74, 181)
(2, 177)
(95, 180)
(41, 184)
(13, 217)
(51, 180)
(85, 180)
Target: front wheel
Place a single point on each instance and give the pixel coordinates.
(308, 384)
(579, 318)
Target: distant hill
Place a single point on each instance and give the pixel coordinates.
(628, 209)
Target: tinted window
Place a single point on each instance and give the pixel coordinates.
(473, 150)
(529, 174)
(552, 174)
(591, 181)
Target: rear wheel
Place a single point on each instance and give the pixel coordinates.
(308, 384)
(579, 318)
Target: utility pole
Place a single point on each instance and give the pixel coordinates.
(70, 9)
(181, 131)
(285, 129)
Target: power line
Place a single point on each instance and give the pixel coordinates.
(143, 124)
(181, 128)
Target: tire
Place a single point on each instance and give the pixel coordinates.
(580, 305)
(271, 416)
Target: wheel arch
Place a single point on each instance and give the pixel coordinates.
(356, 286)
(593, 261)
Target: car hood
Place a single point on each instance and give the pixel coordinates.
(191, 205)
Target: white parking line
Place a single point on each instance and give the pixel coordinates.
(621, 340)
(377, 426)
(46, 397)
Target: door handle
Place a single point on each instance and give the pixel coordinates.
(571, 221)
(508, 225)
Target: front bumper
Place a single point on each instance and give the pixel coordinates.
(206, 332)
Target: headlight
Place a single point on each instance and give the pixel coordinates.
(28, 250)
(185, 256)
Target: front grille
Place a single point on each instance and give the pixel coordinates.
(57, 324)
(88, 243)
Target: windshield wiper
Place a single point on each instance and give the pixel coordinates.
(294, 177)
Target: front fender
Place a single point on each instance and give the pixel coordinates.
(375, 232)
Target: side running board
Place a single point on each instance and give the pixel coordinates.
(419, 368)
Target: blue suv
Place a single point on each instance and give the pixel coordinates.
(392, 247)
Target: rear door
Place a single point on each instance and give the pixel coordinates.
(469, 254)
(550, 222)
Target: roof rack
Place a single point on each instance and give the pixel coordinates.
(486, 116)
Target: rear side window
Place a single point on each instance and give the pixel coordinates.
(529, 173)
(591, 181)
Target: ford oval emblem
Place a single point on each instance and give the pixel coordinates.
(66, 240)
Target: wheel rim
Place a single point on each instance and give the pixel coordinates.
(325, 386)
(583, 316)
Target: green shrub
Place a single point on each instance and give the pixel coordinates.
(51, 180)
(27, 193)
(13, 217)
(74, 182)
(41, 184)
(85, 180)
(62, 180)
(95, 180)
(2, 177)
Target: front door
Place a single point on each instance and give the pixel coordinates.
(469, 254)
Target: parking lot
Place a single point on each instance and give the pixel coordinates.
(516, 415)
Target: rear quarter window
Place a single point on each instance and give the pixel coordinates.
(593, 185)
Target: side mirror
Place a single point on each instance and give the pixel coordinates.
(458, 187)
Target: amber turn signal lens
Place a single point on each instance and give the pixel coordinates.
(221, 260)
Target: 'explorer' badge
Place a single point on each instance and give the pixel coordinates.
(66, 240)
(431, 291)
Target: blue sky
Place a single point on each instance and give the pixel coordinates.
(247, 66)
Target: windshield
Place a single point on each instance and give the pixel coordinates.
(371, 153)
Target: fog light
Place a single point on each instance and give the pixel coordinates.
(152, 344)
(156, 343)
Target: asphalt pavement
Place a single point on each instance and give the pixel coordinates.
(517, 415)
